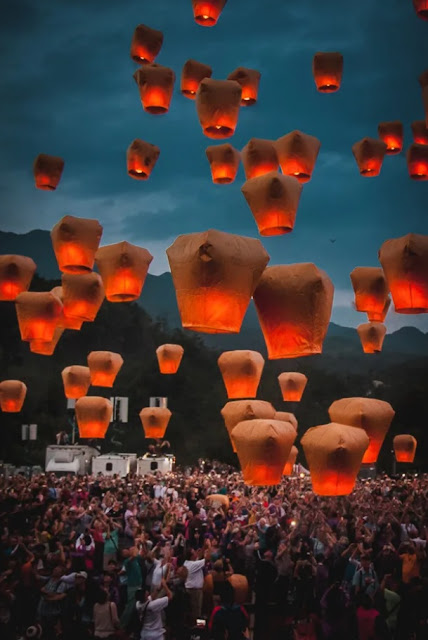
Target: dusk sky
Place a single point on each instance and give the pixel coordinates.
(67, 89)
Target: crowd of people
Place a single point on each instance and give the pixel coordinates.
(151, 558)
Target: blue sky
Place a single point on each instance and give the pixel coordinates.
(67, 89)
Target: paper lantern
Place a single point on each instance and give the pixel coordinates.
(224, 163)
(146, 44)
(16, 273)
(423, 79)
(141, 157)
(372, 335)
(82, 295)
(297, 154)
(405, 264)
(104, 367)
(241, 371)
(421, 8)
(240, 588)
(192, 74)
(207, 12)
(369, 154)
(327, 69)
(156, 84)
(75, 242)
(123, 268)
(417, 161)
(93, 416)
(370, 288)
(65, 322)
(46, 347)
(217, 106)
(38, 315)
(249, 80)
(12, 395)
(405, 447)
(286, 416)
(289, 465)
(294, 303)
(263, 448)
(379, 316)
(214, 275)
(217, 501)
(420, 132)
(47, 171)
(292, 385)
(425, 102)
(242, 410)
(155, 421)
(169, 357)
(76, 380)
(392, 135)
(374, 416)
(273, 200)
(259, 157)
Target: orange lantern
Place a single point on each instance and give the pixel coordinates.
(65, 322)
(297, 154)
(155, 421)
(417, 161)
(292, 385)
(16, 273)
(244, 410)
(423, 79)
(214, 275)
(421, 8)
(192, 74)
(369, 154)
(217, 501)
(82, 295)
(286, 416)
(379, 316)
(169, 357)
(104, 367)
(420, 132)
(38, 315)
(241, 371)
(75, 241)
(146, 44)
(425, 101)
(273, 200)
(405, 447)
(249, 80)
(294, 303)
(392, 135)
(47, 171)
(259, 157)
(123, 268)
(76, 380)
(405, 264)
(141, 157)
(217, 106)
(289, 465)
(224, 163)
(93, 415)
(46, 348)
(370, 288)
(156, 85)
(374, 416)
(372, 335)
(207, 12)
(327, 69)
(12, 395)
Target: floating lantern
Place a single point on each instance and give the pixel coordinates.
(104, 367)
(286, 416)
(423, 79)
(93, 415)
(241, 371)
(243, 410)
(82, 295)
(289, 465)
(405, 447)
(417, 161)
(192, 74)
(369, 154)
(372, 335)
(259, 157)
(239, 585)
(12, 395)
(75, 242)
(146, 44)
(297, 155)
(141, 157)
(156, 84)
(169, 357)
(327, 69)
(217, 106)
(224, 163)
(292, 385)
(207, 12)
(421, 8)
(16, 273)
(65, 322)
(379, 316)
(249, 80)
(76, 380)
(420, 132)
(38, 315)
(123, 268)
(392, 135)
(47, 171)
(217, 501)
(155, 421)
(46, 348)
(370, 288)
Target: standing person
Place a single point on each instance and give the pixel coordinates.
(194, 564)
(106, 621)
(229, 620)
(132, 566)
(150, 610)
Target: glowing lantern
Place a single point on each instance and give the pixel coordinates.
(82, 295)
(372, 335)
(12, 395)
(47, 171)
(370, 288)
(242, 410)
(379, 316)
(289, 465)
(273, 200)
(293, 303)
(420, 132)
(224, 163)
(46, 348)
(214, 275)
(405, 447)
(327, 69)
(240, 589)
(123, 268)
(146, 44)
(75, 242)
(207, 12)
(417, 161)
(192, 74)
(249, 80)
(16, 273)
(259, 157)
(141, 157)
(155, 421)
(65, 322)
(297, 154)
(104, 367)
(374, 416)
(38, 315)
(217, 106)
(217, 501)
(93, 415)
(156, 84)
(405, 264)
(292, 385)
(169, 357)
(76, 380)
(421, 8)
(263, 448)
(392, 135)
(286, 416)
(241, 371)
(369, 154)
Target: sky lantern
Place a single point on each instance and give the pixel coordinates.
(47, 171)
(374, 416)
(12, 395)
(405, 447)
(286, 416)
(156, 85)
(370, 288)
(405, 264)
(38, 315)
(141, 157)
(155, 421)
(420, 132)
(372, 335)
(217, 106)
(16, 273)
(243, 410)
(379, 316)
(294, 303)
(75, 242)
(392, 135)
(297, 154)
(64, 321)
(76, 380)
(369, 154)
(249, 80)
(104, 367)
(292, 385)
(421, 8)
(146, 44)
(327, 68)
(214, 275)
(417, 161)
(224, 162)
(123, 268)
(93, 415)
(259, 157)
(241, 371)
(289, 465)
(192, 74)
(207, 12)
(217, 501)
(273, 200)
(46, 347)
(82, 295)
(263, 448)
(169, 357)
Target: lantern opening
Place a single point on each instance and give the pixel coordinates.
(44, 183)
(219, 131)
(249, 96)
(73, 259)
(123, 286)
(138, 173)
(206, 13)
(327, 85)
(393, 144)
(418, 170)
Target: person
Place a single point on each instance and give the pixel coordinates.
(365, 579)
(149, 609)
(106, 621)
(195, 564)
(228, 621)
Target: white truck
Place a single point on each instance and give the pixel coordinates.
(111, 464)
(151, 464)
(70, 459)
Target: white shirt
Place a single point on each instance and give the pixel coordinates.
(195, 574)
(153, 616)
(159, 572)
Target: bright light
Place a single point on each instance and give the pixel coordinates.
(293, 523)
(302, 475)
